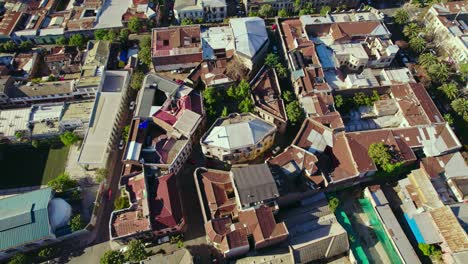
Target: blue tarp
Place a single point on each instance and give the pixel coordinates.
(123, 56)
(415, 229)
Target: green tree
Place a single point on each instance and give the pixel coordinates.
(111, 35)
(35, 143)
(209, 95)
(333, 203)
(412, 30)
(136, 251)
(283, 13)
(61, 41)
(253, 13)
(19, 259)
(76, 223)
(281, 71)
(101, 174)
(417, 44)
(339, 101)
(121, 202)
(246, 105)
(401, 16)
(26, 45)
(380, 153)
(427, 59)
(100, 34)
(144, 54)
(225, 112)
(46, 253)
(438, 72)
(186, 21)
(125, 132)
(19, 135)
(325, 10)
(8, 46)
(449, 118)
(460, 106)
(137, 80)
(135, 25)
(297, 5)
(199, 20)
(450, 90)
(112, 257)
(123, 35)
(271, 60)
(307, 9)
(69, 138)
(426, 249)
(266, 11)
(231, 92)
(77, 40)
(294, 112)
(463, 69)
(62, 183)
(288, 96)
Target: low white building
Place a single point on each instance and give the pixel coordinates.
(13, 122)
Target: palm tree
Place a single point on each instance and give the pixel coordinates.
(427, 59)
(401, 16)
(412, 30)
(460, 106)
(417, 44)
(450, 90)
(438, 72)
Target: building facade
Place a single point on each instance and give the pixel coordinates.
(238, 138)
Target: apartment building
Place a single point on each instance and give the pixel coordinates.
(205, 10)
(168, 120)
(176, 48)
(449, 21)
(255, 5)
(238, 138)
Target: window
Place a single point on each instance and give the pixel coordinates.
(166, 42)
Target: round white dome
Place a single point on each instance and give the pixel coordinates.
(59, 213)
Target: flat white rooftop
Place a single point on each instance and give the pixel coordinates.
(14, 120)
(103, 118)
(112, 11)
(216, 38)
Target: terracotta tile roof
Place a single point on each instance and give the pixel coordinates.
(347, 30)
(303, 159)
(303, 138)
(409, 105)
(450, 229)
(9, 22)
(293, 32)
(165, 207)
(218, 187)
(359, 143)
(262, 225)
(332, 120)
(343, 165)
(267, 94)
(426, 103)
(134, 220)
(211, 72)
(180, 40)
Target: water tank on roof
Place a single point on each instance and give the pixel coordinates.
(59, 213)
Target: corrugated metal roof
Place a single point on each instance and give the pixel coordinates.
(254, 183)
(24, 218)
(250, 34)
